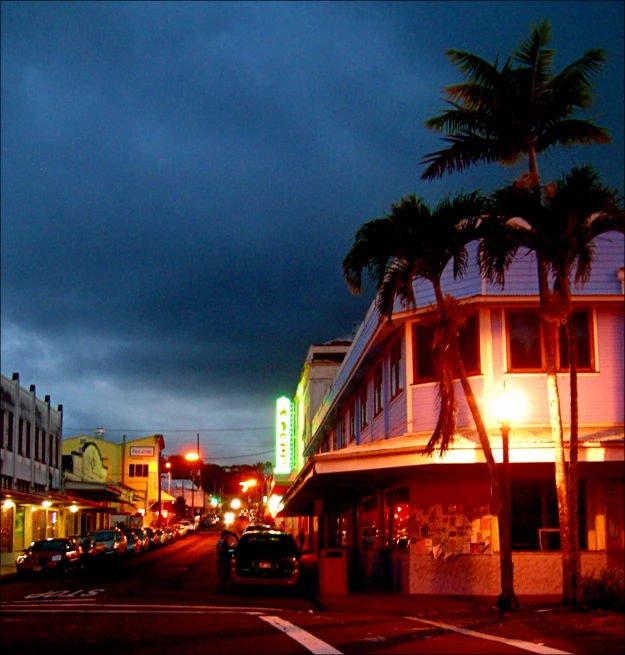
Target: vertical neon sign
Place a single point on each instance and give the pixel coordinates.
(283, 435)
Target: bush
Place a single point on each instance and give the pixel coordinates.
(605, 591)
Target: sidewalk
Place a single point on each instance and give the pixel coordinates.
(539, 620)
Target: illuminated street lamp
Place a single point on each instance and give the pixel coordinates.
(193, 457)
(507, 408)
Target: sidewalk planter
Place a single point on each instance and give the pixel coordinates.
(332, 572)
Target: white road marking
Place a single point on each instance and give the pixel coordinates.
(540, 649)
(309, 641)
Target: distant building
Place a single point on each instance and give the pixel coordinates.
(126, 479)
(32, 495)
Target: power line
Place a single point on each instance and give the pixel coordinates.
(161, 430)
(241, 456)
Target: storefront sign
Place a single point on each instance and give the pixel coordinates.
(142, 451)
(283, 435)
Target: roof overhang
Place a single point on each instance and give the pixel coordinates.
(357, 471)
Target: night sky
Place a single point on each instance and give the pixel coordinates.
(181, 181)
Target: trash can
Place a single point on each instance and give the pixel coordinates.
(332, 572)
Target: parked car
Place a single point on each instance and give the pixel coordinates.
(257, 527)
(153, 540)
(267, 557)
(188, 526)
(143, 537)
(169, 534)
(114, 541)
(160, 535)
(181, 530)
(134, 547)
(50, 555)
(92, 552)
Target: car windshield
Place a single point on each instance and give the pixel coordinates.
(104, 535)
(52, 544)
(264, 544)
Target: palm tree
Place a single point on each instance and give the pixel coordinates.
(504, 114)
(561, 225)
(521, 109)
(414, 242)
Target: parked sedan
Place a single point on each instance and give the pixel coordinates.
(50, 555)
(266, 557)
(92, 553)
(143, 537)
(114, 541)
(134, 548)
(153, 539)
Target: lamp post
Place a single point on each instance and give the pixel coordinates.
(508, 407)
(193, 457)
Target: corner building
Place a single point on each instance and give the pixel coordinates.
(426, 525)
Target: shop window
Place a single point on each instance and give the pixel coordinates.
(6, 528)
(397, 518)
(525, 341)
(369, 524)
(377, 390)
(397, 381)
(468, 344)
(535, 521)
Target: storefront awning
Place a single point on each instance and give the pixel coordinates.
(358, 471)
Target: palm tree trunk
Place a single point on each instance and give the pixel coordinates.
(507, 600)
(576, 573)
(555, 417)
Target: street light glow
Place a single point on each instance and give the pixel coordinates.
(508, 407)
(191, 457)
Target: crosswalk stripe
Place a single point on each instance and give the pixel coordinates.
(309, 641)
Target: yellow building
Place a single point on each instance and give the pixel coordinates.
(132, 473)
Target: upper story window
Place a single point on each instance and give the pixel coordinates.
(341, 440)
(468, 343)
(20, 437)
(364, 407)
(43, 446)
(525, 341)
(138, 470)
(352, 422)
(377, 390)
(2, 427)
(397, 381)
(28, 437)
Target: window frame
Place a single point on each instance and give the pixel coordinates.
(433, 378)
(378, 390)
(352, 422)
(535, 311)
(363, 406)
(396, 381)
(137, 470)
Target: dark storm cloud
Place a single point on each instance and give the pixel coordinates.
(180, 182)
